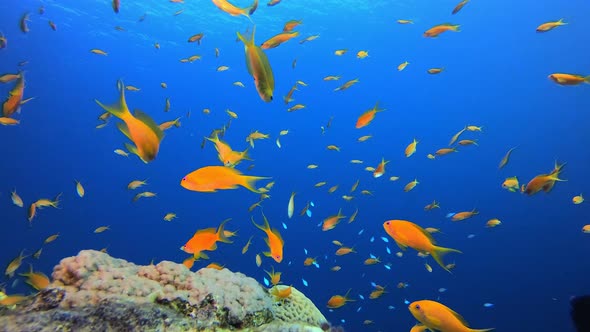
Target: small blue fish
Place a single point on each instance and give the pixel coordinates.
(343, 321)
(359, 309)
(266, 282)
(284, 226)
(308, 212)
(311, 203)
(361, 231)
(387, 266)
(316, 264)
(442, 290)
(406, 301)
(304, 282)
(372, 256)
(470, 236)
(451, 214)
(373, 284)
(388, 251)
(361, 297)
(386, 240)
(488, 305)
(391, 307)
(372, 239)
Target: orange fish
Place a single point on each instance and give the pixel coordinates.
(444, 151)
(407, 234)
(459, 6)
(331, 222)
(290, 25)
(344, 251)
(258, 67)
(196, 38)
(411, 148)
(438, 29)
(464, 215)
(225, 153)
(23, 23)
(15, 97)
(366, 118)
(433, 205)
(377, 292)
(281, 292)
(279, 39)
(213, 178)
(116, 5)
(550, 25)
(37, 280)
(338, 301)
(569, 79)
(189, 262)
(12, 300)
(380, 170)
(436, 316)
(229, 8)
(205, 240)
(273, 240)
(139, 128)
(275, 277)
(543, 182)
(3, 41)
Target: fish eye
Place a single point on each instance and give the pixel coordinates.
(417, 306)
(183, 179)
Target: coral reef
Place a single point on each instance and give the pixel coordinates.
(297, 308)
(96, 292)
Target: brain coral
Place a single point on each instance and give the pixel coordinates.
(297, 308)
(217, 297)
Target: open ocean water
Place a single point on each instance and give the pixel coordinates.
(518, 276)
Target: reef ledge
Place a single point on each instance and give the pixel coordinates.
(96, 292)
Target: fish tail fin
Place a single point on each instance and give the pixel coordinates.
(221, 232)
(245, 155)
(587, 79)
(200, 255)
(456, 28)
(252, 8)
(437, 253)
(120, 109)
(561, 22)
(263, 228)
(248, 182)
(247, 42)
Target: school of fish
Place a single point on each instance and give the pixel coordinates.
(144, 139)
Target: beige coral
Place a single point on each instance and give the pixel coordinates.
(92, 276)
(297, 308)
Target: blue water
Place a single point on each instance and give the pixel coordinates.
(495, 76)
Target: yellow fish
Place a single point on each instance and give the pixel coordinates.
(258, 67)
(229, 8)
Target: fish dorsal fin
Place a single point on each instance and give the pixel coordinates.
(143, 117)
(124, 129)
(131, 148)
(425, 233)
(206, 230)
(278, 235)
(459, 317)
